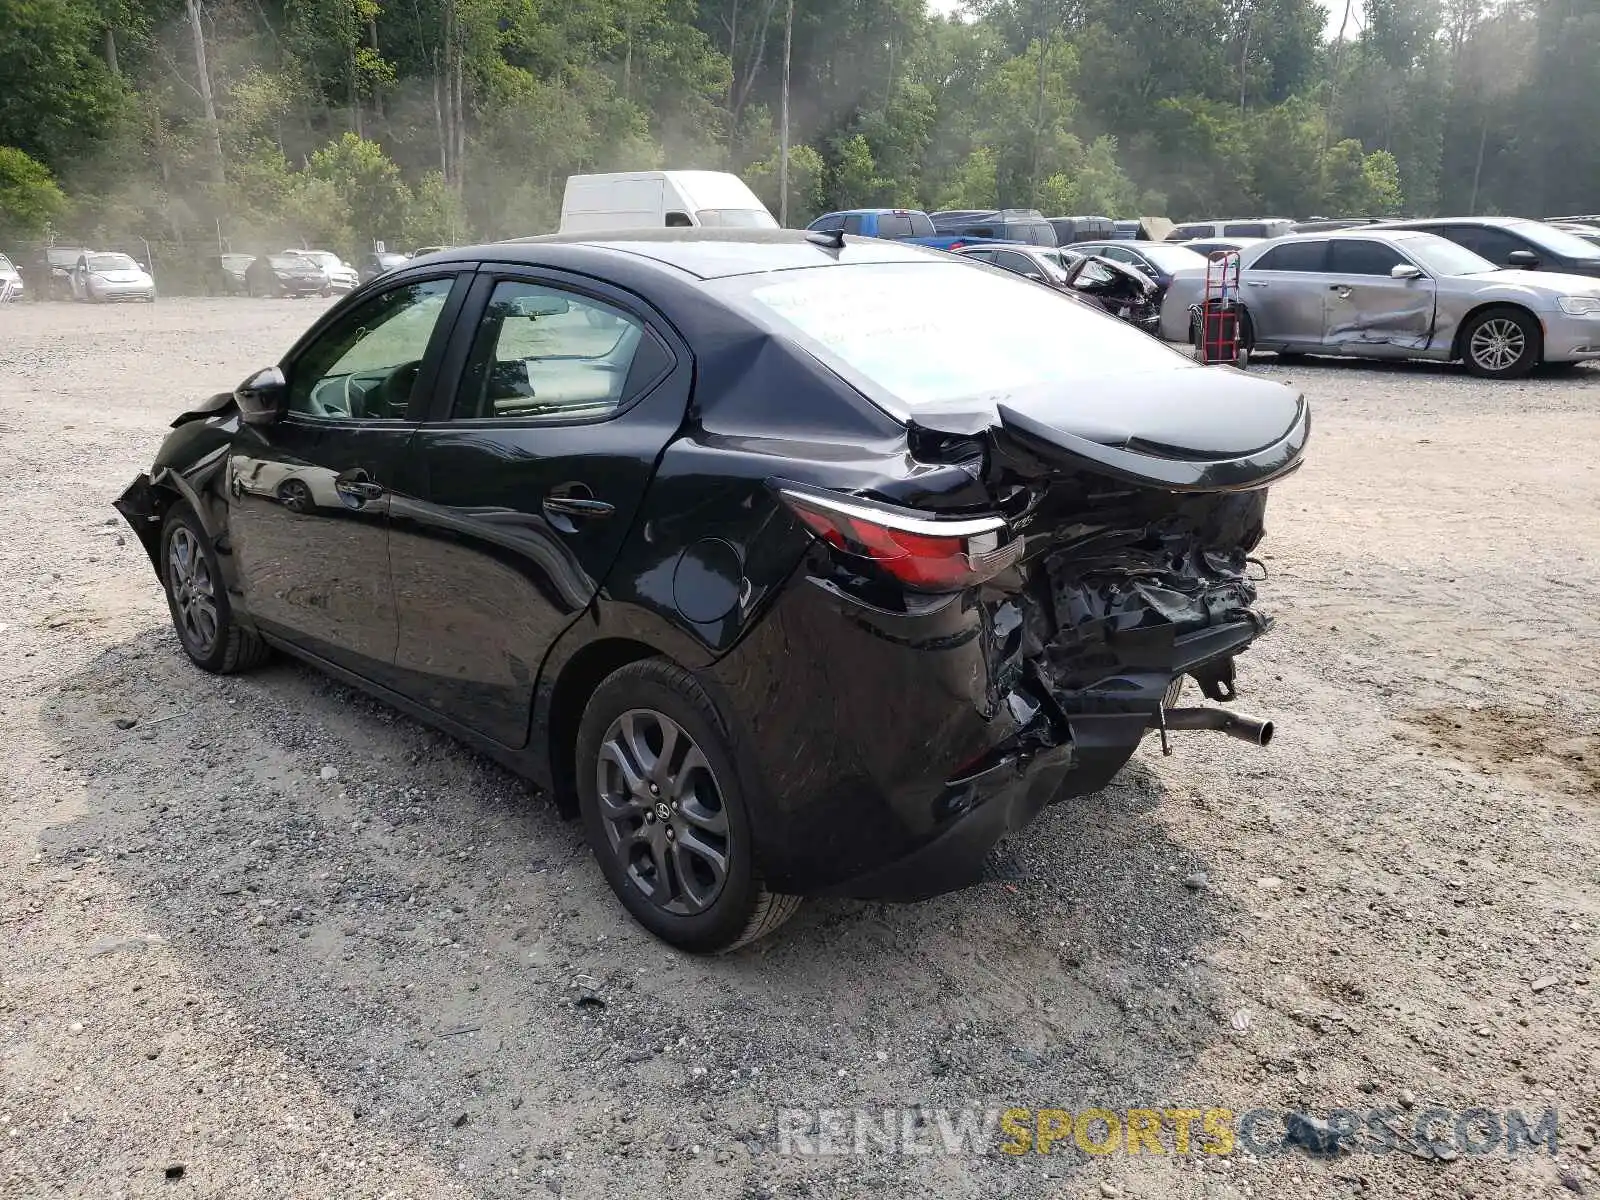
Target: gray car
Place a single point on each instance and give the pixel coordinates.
(1369, 293)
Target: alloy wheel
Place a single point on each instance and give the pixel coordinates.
(193, 591)
(662, 811)
(1498, 344)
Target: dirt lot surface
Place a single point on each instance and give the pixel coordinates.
(262, 937)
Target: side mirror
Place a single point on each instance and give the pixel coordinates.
(263, 399)
(1523, 258)
(1405, 271)
(1033, 275)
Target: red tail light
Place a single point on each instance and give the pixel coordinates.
(921, 552)
(957, 245)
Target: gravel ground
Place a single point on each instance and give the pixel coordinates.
(264, 937)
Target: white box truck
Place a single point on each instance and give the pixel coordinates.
(661, 200)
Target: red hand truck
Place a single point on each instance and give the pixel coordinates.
(1217, 315)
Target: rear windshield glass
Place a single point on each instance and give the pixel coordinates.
(894, 225)
(902, 332)
(1172, 258)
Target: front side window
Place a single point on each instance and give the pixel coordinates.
(1362, 258)
(545, 353)
(1557, 241)
(922, 226)
(678, 220)
(852, 223)
(364, 366)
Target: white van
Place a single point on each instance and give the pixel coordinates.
(661, 200)
(1237, 227)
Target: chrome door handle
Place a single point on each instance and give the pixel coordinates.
(572, 506)
(1255, 283)
(1344, 292)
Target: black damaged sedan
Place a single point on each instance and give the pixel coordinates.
(795, 566)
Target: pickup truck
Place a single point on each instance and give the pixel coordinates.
(895, 224)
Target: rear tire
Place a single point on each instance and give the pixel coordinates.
(663, 804)
(198, 599)
(1501, 343)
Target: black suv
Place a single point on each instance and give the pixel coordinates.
(1514, 242)
(49, 271)
(1004, 224)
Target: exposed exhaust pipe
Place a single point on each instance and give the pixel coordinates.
(1245, 728)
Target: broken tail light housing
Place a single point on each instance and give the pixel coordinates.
(927, 554)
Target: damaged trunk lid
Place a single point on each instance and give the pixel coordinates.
(1141, 498)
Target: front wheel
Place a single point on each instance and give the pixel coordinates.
(198, 599)
(663, 807)
(1501, 343)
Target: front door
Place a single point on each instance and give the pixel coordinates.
(528, 481)
(309, 495)
(1365, 306)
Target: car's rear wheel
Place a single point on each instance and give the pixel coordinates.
(198, 599)
(663, 807)
(1501, 343)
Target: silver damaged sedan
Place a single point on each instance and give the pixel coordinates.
(1400, 294)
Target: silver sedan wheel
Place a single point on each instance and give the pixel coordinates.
(1498, 344)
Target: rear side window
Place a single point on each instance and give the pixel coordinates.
(894, 225)
(1362, 258)
(902, 333)
(1245, 229)
(1293, 256)
(544, 353)
(921, 226)
(678, 220)
(852, 223)
(1184, 232)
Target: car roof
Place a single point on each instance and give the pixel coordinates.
(1428, 222)
(702, 253)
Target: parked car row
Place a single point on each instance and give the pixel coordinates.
(77, 273)
(286, 273)
(1501, 295)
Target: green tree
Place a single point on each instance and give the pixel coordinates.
(29, 197)
(57, 96)
(375, 198)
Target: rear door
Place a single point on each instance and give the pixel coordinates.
(530, 472)
(1283, 293)
(1363, 305)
